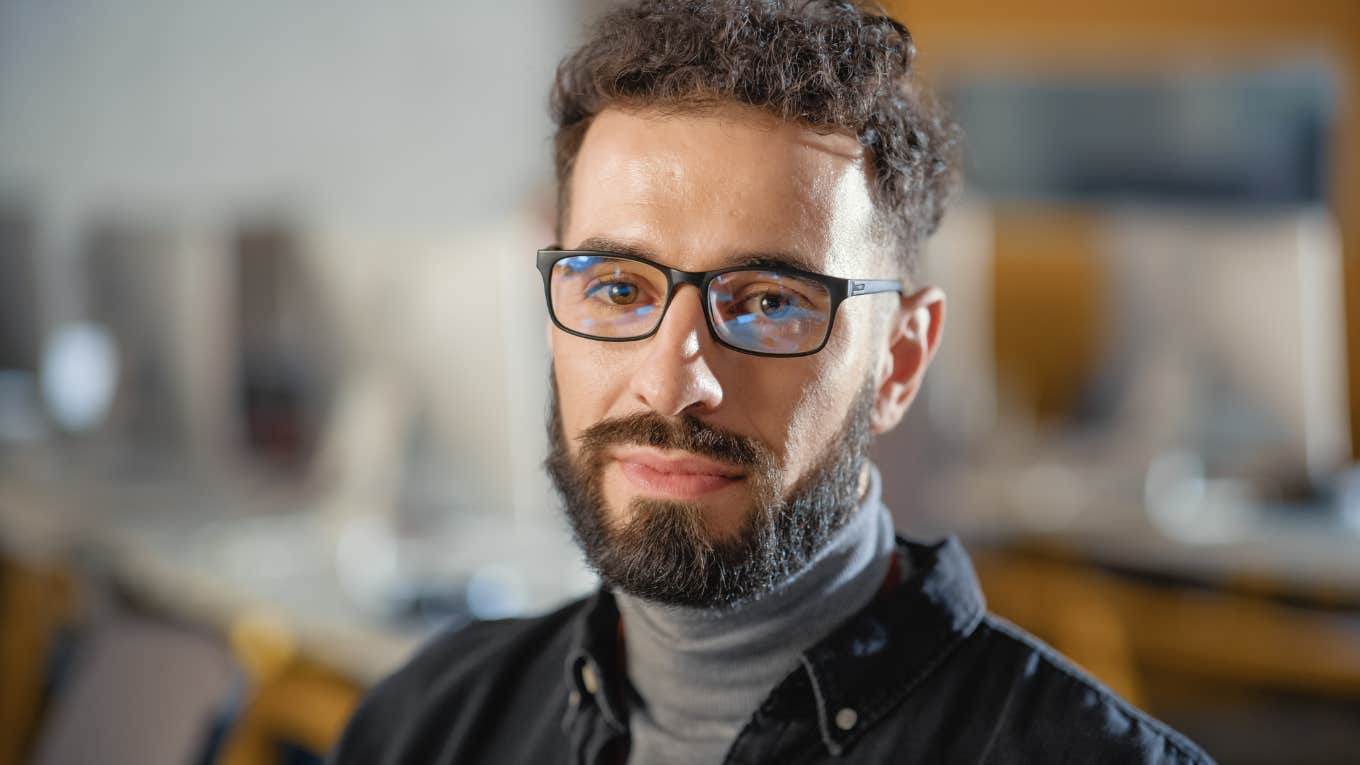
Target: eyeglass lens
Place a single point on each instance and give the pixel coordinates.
(757, 310)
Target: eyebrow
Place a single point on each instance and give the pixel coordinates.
(771, 260)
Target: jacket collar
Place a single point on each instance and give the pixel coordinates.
(862, 670)
(852, 678)
(595, 668)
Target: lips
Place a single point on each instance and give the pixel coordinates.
(676, 477)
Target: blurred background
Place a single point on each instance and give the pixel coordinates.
(271, 410)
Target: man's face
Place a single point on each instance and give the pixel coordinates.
(701, 191)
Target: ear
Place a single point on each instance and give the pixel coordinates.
(911, 340)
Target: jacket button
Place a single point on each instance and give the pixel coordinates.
(573, 698)
(846, 718)
(589, 680)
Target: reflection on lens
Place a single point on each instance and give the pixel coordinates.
(607, 297)
(770, 312)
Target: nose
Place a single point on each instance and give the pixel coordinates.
(674, 376)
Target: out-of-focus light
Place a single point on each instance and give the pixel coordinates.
(80, 375)
(496, 592)
(1186, 505)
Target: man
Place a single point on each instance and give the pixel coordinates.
(743, 188)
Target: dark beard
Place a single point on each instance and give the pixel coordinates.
(665, 552)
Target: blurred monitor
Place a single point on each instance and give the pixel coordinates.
(129, 270)
(284, 336)
(1230, 338)
(161, 293)
(1191, 201)
(1220, 335)
(20, 408)
(446, 376)
(19, 320)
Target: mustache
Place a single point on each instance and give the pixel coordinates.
(684, 433)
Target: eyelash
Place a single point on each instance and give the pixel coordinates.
(794, 296)
(603, 283)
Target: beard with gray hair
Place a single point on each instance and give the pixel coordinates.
(664, 551)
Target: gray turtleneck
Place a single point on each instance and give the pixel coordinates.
(700, 674)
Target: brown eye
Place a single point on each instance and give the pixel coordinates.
(622, 294)
(773, 306)
(616, 293)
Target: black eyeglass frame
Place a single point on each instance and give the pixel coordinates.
(839, 290)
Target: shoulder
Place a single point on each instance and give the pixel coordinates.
(480, 651)
(1049, 703)
(451, 679)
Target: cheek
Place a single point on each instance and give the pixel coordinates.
(788, 401)
(811, 425)
(589, 379)
(804, 402)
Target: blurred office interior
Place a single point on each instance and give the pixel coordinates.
(273, 366)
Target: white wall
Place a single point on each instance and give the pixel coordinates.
(423, 114)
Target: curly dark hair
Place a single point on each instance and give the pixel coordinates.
(836, 66)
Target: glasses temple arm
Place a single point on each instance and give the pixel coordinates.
(856, 287)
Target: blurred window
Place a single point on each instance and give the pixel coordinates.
(1254, 136)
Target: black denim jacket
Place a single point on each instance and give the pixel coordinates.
(922, 675)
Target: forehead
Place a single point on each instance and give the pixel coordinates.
(703, 189)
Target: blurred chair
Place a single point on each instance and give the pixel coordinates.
(141, 692)
(1071, 608)
(292, 702)
(36, 602)
(1244, 639)
(1123, 629)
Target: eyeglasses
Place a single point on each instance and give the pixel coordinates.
(775, 311)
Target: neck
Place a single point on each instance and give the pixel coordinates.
(700, 673)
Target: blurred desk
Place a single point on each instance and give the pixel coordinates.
(1274, 603)
(219, 556)
(1305, 555)
(176, 554)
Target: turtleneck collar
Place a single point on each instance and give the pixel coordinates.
(698, 674)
